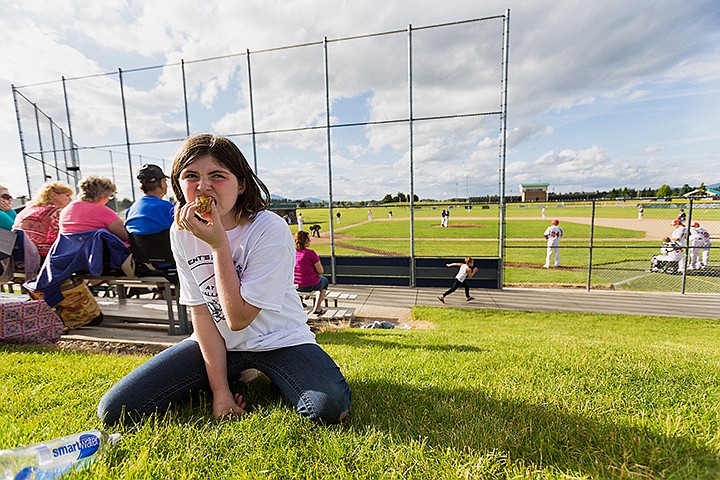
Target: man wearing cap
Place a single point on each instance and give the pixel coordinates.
(680, 236)
(151, 214)
(699, 247)
(553, 234)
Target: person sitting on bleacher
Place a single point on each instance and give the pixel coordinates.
(308, 270)
(89, 211)
(40, 218)
(7, 214)
(151, 214)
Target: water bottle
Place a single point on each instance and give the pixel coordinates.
(53, 458)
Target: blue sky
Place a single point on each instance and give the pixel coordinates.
(601, 94)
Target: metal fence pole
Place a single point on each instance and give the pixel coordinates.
(503, 149)
(112, 167)
(40, 143)
(65, 160)
(686, 248)
(127, 134)
(329, 159)
(412, 158)
(22, 140)
(74, 157)
(252, 110)
(592, 239)
(185, 100)
(52, 139)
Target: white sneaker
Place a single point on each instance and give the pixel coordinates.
(247, 376)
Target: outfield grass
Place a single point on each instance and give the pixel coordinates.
(482, 229)
(620, 259)
(485, 394)
(608, 209)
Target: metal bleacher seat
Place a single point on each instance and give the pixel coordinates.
(155, 267)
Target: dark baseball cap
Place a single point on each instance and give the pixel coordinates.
(150, 173)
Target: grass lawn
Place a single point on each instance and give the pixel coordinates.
(481, 229)
(485, 394)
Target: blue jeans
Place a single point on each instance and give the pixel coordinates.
(305, 374)
(322, 284)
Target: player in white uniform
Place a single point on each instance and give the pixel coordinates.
(700, 244)
(670, 252)
(553, 234)
(680, 236)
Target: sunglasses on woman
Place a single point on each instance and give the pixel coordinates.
(6, 196)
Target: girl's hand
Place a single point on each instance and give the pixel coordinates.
(227, 406)
(207, 227)
(5, 205)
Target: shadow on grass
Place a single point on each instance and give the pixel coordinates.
(359, 337)
(538, 435)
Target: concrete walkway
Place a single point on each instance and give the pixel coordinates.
(144, 322)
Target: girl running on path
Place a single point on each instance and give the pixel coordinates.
(466, 271)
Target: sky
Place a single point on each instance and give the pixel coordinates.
(601, 95)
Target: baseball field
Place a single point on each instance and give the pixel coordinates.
(622, 244)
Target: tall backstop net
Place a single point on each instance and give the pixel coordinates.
(417, 114)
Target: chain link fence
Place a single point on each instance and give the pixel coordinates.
(609, 244)
(417, 110)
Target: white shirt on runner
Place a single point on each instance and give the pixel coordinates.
(462, 273)
(263, 253)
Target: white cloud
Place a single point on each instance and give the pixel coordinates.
(565, 56)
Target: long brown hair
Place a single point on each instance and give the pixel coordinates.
(301, 239)
(256, 196)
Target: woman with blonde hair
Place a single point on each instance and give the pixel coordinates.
(89, 212)
(41, 217)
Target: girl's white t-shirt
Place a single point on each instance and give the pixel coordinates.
(462, 273)
(263, 253)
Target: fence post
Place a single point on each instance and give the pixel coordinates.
(412, 158)
(686, 248)
(187, 113)
(54, 147)
(329, 159)
(22, 140)
(74, 157)
(590, 247)
(40, 143)
(503, 148)
(127, 134)
(252, 110)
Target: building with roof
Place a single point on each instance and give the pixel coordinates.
(534, 192)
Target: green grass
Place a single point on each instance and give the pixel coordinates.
(486, 394)
(481, 229)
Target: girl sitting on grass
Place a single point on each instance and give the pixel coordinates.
(466, 271)
(235, 265)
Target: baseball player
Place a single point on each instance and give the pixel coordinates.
(553, 234)
(669, 252)
(680, 236)
(700, 244)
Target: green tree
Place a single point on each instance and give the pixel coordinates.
(664, 191)
(387, 199)
(685, 189)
